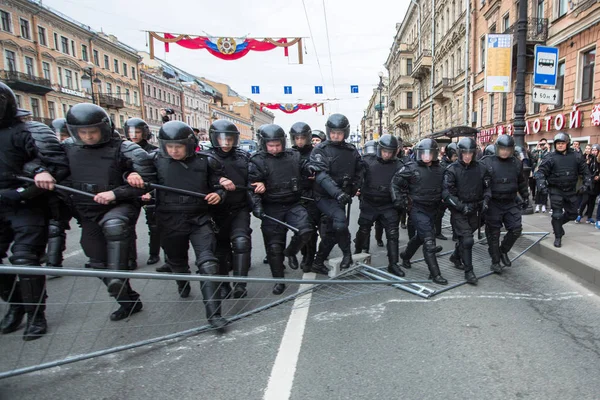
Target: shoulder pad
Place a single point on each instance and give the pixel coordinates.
(135, 153)
(258, 154)
(242, 153)
(350, 146)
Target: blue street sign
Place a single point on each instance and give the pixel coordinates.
(287, 90)
(354, 89)
(255, 90)
(318, 89)
(545, 66)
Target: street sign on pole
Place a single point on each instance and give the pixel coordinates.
(546, 96)
(318, 89)
(545, 66)
(353, 88)
(287, 90)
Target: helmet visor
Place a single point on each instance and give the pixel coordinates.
(504, 151)
(135, 133)
(177, 149)
(224, 141)
(426, 155)
(90, 135)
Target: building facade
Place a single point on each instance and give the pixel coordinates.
(47, 58)
(196, 108)
(159, 93)
(373, 125)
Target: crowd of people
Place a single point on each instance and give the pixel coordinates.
(205, 198)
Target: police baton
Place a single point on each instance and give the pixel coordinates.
(174, 190)
(59, 187)
(291, 228)
(252, 188)
(348, 211)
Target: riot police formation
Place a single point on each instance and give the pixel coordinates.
(276, 172)
(376, 200)
(466, 191)
(507, 179)
(186, 219)
(30, 149)
(557, 176)
(300, 137)
(337, 166)
(232, 215)
(417, 188)
(138, 131)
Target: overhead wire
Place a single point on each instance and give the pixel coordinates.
(312, 39)
(329, 49)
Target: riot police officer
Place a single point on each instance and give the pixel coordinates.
(507, 179)
(232, 216)
(338, 167)
(371, 148)
(448, 158)
(376, 201)
(557, 176)
(417, 187)
(98, 160)
(138, 131)
(300, 136)
(185, 219)
(276, 172)
(22, 211)
(467, 193)
(317, 137)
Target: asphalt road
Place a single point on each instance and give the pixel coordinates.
(531, 333)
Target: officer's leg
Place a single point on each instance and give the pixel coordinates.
(389, 219)
(223, 251)
(493, 222)
(310, 249)
(342, 234)
(134, 214)
(512, 222)
(403, 219)
(438, 222)
(297, 217)
(10, 291)
(378, 233)
(465, 226)
(203, 242)
(154, 236)
(415, 241)
(241, 243)
(365, 222)
(424, 222)
(175, 245)
(556, 203)
(56, 243)
(274, 236)
(325, 246)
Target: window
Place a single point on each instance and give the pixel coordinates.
(60, 76)
(51, 110)
(159, 94)
(6, 25)
(76, 80)
(35, 107)
(135, 98)
(562, 7)
(55, 41)
(480, 114)
(116, 65)
(169, 97)
(154, 91)
(25, 29)
(96, 60)
(122, 120)
(560, 82)
(409, 100)
(65, 109)
(133, 73)
(459, 59)
(74, 53)
(491, 105)
(64, 44)
(10, 60)
(29, 66)
(505, 22)
(482, 53)
(69, 78)
(42, 36)
(125, 72)
(409, 66)
(84, 52)
(106, 62)
(119, 92)
(127, 96)
(540, 9)
(46, 70)
(588, 59)
(108, 88)
(19, 100)
(504, 107)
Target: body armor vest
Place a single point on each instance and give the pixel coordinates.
(282, 177)
(378, 179)
(427, 190)
(342, 168)
(12, 159)
(565, 172)
(305, 183)
(236, 170)
(190, 174)
(469, 182)
(505, 178)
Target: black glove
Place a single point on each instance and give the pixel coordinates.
(343, 198)
(583, 189)
(399, 204)
(466, 209)
(525, 203)
(313, 169)
(484, 206)
(258, 212)
(9, 197)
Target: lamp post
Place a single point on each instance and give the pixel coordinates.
(380, 87)
(88, 84)
(520, 107)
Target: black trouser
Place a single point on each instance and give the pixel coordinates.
(234, 242)
(59, 217)
(500, 213)
(153, 231)
(564, 209)
(532, 186)
(464, 226)
(588, 202)
(24, 226)
(439, 217)
(314, 216)
(421, 230)
(106, 240)
(274, 234)
(337, 231)
(388, 217)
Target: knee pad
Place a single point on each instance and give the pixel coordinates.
(55, 231)
(340, 226)
(493, 232)
(393, 233)
(115, 229)
(241, 244)
(515, 232)
(208, 268)
(274, 249)
(467, 242)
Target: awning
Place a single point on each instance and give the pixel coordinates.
(455, 131)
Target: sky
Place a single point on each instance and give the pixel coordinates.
(347, 43)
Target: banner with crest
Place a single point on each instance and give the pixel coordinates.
(225, 48)
(290, 108)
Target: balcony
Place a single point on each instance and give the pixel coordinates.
(422, 65)
(26, 83)
(443, 89)
(110, 102)
(537, 31)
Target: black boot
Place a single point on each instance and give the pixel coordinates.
(56, 246)
(470, 277)
(117, 258)
(279, 288)
(466, 254)
(224, 290)
(361, 239)
(153, 245)
(13, 318)
(343, 239)
(127, 309)
(164, 268)
(183, 288)
(505, 259)
(210, 294)
(455, 258)
(153, 259)
(411, 248)
(494, 250)
(557, 242)
(325, 248)
(241, 265)
(298, 241)
(276, 263)
(507, 243)
(132, 253)
(431, 261)
(393, 257)
(33, 293)
(378, 234)
(311, 250)
(10, 292)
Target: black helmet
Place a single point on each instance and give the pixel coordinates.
(59, 125)
(387, 142)
(337, 122)
(562, 137)
(177, 132)
(8, 106)
(505, 141)
(223, 129)
(132, 123)
(426, 148)
(319, 134)
(521, 153)
(87, 115)
(301, 129)
(466, 145)
(370, 147)
(490, 150)
(269, 133)
(451, 150)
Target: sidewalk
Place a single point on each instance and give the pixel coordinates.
(580, 251)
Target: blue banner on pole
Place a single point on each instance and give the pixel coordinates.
(318, 89)
(287, 90)
(255, 90)
(354, 89)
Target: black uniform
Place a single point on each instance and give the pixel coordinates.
(557, 176)
(444, 163)
(417, 188)
(466, 190)
(22, 214)
(281, 175)
(507, 179)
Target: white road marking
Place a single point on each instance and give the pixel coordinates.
(284, 368)
(73, 254)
